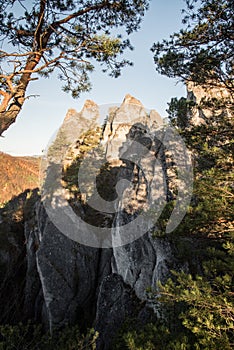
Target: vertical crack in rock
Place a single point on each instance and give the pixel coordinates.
(103, 287)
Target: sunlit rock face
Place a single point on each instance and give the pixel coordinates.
(123, 120)
(102, 285)
(67, 282)
(196, 93)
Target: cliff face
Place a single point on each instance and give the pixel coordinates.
(203, 114)
(103, 282)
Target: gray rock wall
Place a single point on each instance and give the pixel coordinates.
(67, 282)
(103, 287)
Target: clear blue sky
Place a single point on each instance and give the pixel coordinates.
(41, 116)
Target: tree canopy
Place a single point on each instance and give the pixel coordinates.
(39, 37)
(201, 55)
(202, 51)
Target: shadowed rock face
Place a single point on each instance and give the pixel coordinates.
(103, 287)
(67, 282)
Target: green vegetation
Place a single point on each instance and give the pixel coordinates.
(58, 147)
(198, 307)
(89, 140)
(150, 336)
(207, 304)
(89, 150)
(32, 337)
(201, 52)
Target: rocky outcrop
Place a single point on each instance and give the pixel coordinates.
(116, 303)
(19, 282)
(68, 274)
(202, 114)
(102, 285)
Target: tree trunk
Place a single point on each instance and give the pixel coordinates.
(9, 113)
(9, 116)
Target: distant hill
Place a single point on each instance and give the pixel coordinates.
(17, 174)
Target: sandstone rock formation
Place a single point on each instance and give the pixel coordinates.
(197, 93)
(67, 282)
